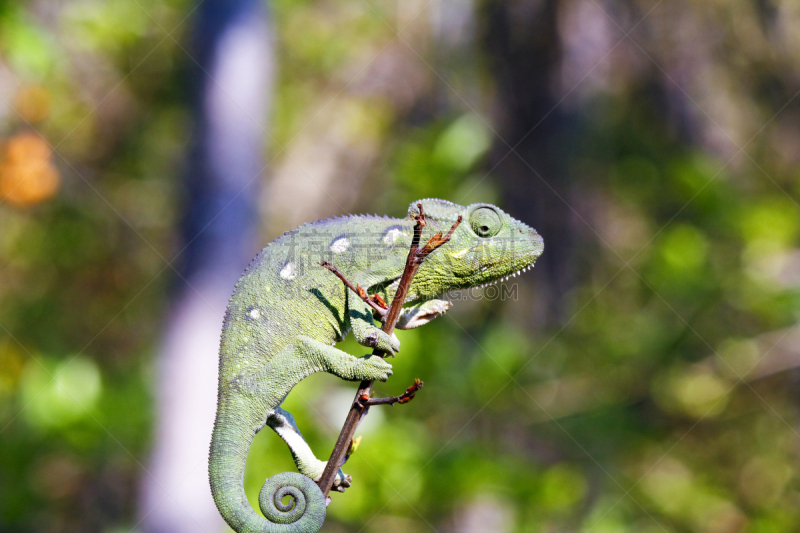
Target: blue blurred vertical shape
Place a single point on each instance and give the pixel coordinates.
(225, 160)
(231, 73)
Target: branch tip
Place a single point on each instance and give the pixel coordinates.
(406, 397)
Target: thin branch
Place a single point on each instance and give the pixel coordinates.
(406, 397)
(359, 408)
(375, 302)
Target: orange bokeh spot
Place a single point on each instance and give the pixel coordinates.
(33, 103)
(27, 174)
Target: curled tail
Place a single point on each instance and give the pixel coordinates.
(233, 434)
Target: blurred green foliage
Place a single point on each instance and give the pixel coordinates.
(653, 405)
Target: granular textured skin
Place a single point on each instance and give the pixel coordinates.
(287, 312)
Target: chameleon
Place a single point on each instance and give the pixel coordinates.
(287, 312)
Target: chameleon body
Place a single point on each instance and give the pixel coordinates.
(287, 312)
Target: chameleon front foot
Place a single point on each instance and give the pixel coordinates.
(372, 367)
(384, 342)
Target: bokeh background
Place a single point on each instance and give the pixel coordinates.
(643, 379)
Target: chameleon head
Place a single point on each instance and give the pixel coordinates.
(488, 245)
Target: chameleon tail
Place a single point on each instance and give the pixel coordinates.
(233, 434)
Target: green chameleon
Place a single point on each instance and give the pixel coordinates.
(287, 312)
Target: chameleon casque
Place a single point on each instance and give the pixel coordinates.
(287, 312)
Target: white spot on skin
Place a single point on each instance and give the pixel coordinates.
(254, 313)
(339, 245)
(289, 271)
(392, 235)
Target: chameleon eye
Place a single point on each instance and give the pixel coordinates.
(485, 222)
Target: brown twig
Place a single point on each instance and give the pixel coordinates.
(375, 302)
(406, 397)
(359, 409)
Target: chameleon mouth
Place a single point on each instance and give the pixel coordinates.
(506, 278)
(414, 297)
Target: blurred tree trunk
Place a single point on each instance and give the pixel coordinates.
(231, 79)
(523, 45)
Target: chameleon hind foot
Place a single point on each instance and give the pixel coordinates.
(342, 481)
(315, 469)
